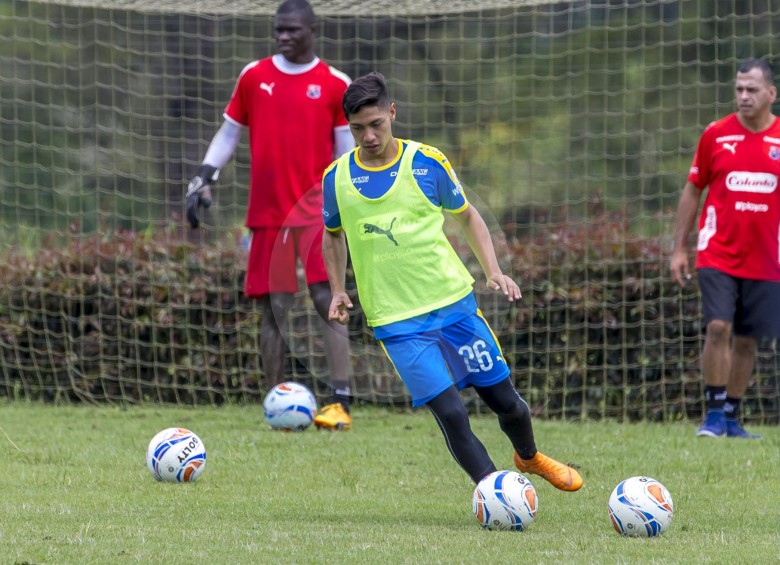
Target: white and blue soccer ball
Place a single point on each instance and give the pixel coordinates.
(289, 406)
(176, 455)
(505, 500)
(641, 506)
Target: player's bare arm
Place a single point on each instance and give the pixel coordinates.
(478, 238)
(686, 217)
(334, 252)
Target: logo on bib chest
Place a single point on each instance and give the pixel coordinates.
(371, 228)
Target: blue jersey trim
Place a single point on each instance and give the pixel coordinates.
(432, 173)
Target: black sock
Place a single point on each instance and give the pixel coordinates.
(342, 396)
(731, 407)
(715, 397)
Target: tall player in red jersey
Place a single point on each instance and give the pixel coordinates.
(291, 105)
(738, 250)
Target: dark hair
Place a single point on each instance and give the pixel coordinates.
(368, 90)
(762, 64)
(297, 6)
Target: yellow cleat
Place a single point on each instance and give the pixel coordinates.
(333, 417)
(557, 474)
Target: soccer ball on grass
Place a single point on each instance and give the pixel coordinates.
(505, 500)
(176, 455)
(640, 506)
(289, 406)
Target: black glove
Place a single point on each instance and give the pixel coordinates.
(199, 192)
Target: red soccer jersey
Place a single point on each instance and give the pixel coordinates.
(739, 227)
(291, 118)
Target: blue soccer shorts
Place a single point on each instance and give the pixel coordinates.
(465, 353)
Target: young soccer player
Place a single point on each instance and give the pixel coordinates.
(386, 199)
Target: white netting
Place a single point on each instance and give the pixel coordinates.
(571, 124)
(348, 8)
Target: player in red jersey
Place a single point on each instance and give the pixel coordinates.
(291, 105)
(738, 250)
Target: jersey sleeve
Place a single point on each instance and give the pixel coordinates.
(699, 173)
(330, 207)
(340, 83)
(237, 109)
(446, 190)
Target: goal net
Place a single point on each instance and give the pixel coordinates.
(570, 124)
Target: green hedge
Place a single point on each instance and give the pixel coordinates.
(601, 332)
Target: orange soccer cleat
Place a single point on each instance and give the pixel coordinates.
(559, 475)
(333, 417)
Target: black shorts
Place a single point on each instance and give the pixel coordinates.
(753, 307)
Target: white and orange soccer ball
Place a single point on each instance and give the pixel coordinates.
(640, 506)
(289, 406)
(176, 455)
(505, 500)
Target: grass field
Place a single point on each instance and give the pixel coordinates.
(75, 489)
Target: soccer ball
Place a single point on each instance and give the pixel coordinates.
(505, 500)
(640, 506)
(176, 455)
(289, 406)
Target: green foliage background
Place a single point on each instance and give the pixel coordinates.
(106, 113)
(571, 125)
(132, 317)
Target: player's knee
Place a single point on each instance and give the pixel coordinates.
(718, 332)
(320, 297)
(744, 345)
(515, 410)
(276, 307)
(452, 415)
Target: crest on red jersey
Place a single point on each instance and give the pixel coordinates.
(314, 91)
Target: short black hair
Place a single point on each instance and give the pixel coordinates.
(762, 64)
(298, 6)
(368, 90)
